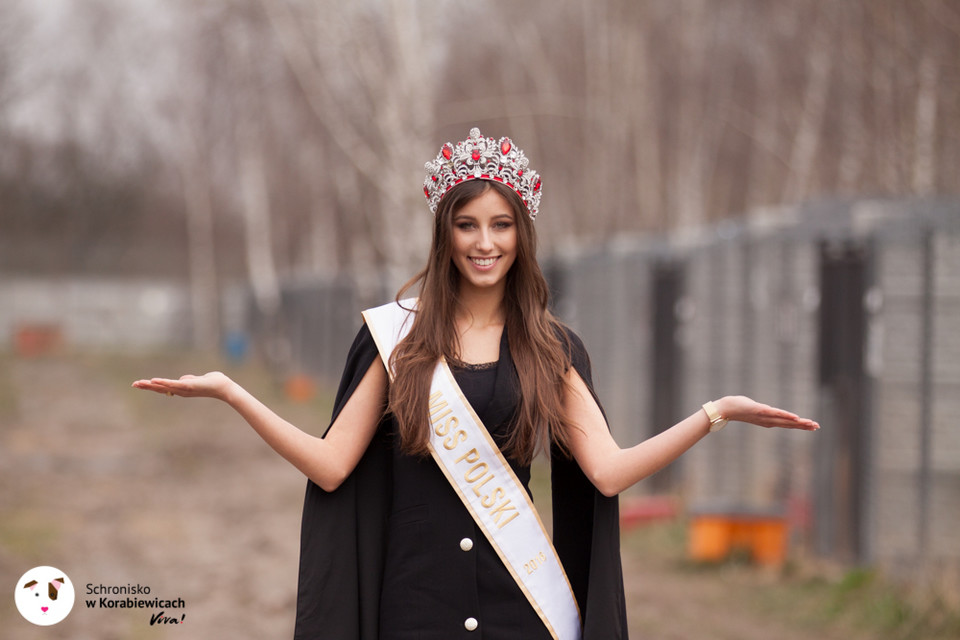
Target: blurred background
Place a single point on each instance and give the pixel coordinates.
(739, 197)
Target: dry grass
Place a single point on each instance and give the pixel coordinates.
(804, 599)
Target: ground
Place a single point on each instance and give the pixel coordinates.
(121, 487)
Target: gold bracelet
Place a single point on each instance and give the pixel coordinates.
(717, 421)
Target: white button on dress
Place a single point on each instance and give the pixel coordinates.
(466, 544)
(470, 624)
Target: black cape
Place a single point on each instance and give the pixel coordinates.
(343, 533)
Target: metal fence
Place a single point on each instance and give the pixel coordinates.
(846, 311)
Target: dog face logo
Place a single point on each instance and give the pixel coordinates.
(44, 595)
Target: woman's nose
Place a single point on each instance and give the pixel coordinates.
(485, 240)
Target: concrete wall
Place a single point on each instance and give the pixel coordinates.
(98, 313)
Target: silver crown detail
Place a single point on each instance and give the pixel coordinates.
(484, 159)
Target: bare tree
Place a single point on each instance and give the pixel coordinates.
(809, 129)
(854, 142)
(197, 198)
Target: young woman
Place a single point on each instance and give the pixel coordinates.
(417, 520)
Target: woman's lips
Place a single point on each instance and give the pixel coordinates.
(484, 263)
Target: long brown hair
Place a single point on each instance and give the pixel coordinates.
(538, 343)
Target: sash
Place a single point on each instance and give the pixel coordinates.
(481, 476)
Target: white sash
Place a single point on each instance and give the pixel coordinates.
(475, 467)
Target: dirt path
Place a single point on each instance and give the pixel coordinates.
(118, 487)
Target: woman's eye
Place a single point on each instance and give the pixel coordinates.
(464, 225)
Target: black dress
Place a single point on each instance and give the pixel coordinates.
(440, 569)
(393, 554)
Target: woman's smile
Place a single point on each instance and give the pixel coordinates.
(485, 263)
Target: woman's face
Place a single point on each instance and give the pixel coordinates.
(484, 240)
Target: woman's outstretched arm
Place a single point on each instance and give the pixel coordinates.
(327, 461)
(612, 469)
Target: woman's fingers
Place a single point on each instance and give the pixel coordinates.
(146, 385)
(800, 423)
(788, 422)
(165, 385)
(743, 409)
(209, 385)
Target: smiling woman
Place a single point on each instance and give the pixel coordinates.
(418, 521)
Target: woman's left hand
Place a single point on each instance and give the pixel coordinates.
(743, 409)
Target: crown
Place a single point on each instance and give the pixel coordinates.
(484, 159)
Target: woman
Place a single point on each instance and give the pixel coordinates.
(417, 522)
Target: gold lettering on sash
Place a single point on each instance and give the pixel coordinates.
(490, 500)
(476, 488)
(444, 429)
(502, 513)
(475, 472)
(451, 443)
(535, 562)
(478, 474)
(438, 404)
(436, 419)
(501, 510)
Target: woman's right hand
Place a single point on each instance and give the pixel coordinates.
(210, 385)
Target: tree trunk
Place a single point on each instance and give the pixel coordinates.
(924, 155)
(204, 298)
(255, 201)
(807, 138)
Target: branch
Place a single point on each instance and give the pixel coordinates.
(327, 109)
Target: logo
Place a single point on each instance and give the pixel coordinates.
(44, 596)
(109, 600)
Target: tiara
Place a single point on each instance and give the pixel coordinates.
(485, 159)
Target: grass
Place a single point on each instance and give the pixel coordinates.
(27, 534)
(865, 599)
(8, 400)
(812, 596)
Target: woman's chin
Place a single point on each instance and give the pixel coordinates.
(482, 281)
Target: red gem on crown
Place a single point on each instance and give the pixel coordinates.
(505, 147)
(447, 151)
